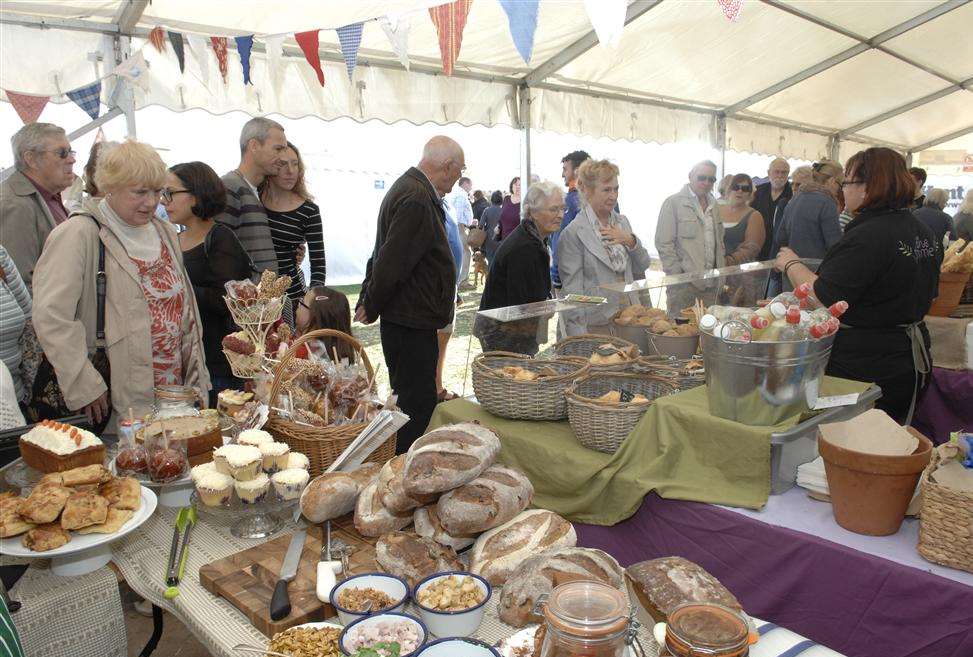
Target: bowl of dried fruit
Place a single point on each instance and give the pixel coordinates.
(351, 597)
(452, 604)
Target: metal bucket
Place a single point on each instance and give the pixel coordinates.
(763, 383)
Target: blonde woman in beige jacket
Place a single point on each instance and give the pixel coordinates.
(152, 330)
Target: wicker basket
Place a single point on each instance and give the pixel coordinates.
(542, 399)
(321, 445)
(672, 369)
(244, 366)
(582, 346)
(945, 522)
(604, 425)
(258, 312)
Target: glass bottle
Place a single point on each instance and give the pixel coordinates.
(695, 629)
(174, 401)
(585, 619)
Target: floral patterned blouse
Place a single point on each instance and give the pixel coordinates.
(166, 295)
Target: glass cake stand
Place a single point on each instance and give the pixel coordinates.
(258, 520)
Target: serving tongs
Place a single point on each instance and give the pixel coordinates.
(176, 568)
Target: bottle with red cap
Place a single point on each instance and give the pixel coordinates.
(794, 331)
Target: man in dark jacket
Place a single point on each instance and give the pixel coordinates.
(770, 199)
(410, 280)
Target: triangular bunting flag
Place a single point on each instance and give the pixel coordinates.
(28, 107)
(100, 135)
(200, 49)
(157, 37)
(522, 18)
(608, 20)
(176, 40)
(88, 98)
(219, 47)
(449, 21)
(350, 38)
(396, 28)
(308, 41)
(274, 46)
(244, 45)
(134, 70)
(731, 8)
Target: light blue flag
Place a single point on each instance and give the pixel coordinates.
(522, 17)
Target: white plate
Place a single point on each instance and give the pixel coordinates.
(525, 638)
(81, 542)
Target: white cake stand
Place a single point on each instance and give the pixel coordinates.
(258, 520)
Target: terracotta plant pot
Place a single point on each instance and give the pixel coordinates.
(870, 493)
(951, 286)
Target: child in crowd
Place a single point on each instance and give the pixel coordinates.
(326, 308)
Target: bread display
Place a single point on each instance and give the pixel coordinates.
(540, 574)
(449, 457)
(661, 585)
(392, 490)
(615, 397)
(427, 525)
(412, 557)
(493, 498)
(639, 316)
(958, 258)
(333, 494)
(56, 447)
(372, 518)
(499, 551)
(609, 354)
(522, 374)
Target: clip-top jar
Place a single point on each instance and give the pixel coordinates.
(174, 401)
(704, 629)
(585, 619)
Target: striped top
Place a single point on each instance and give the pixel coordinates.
(291, 229)
(15, 305)
(246, 215)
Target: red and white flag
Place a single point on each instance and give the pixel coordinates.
(450, 20)
(28, 107)
(308, 41)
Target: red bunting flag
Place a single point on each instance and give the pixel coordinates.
(158, 38)
(28, 107)
(449, 21)
(731, 8)
(219, 47)
(308, 41)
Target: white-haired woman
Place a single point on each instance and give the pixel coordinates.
(152, 332)
(931, 213)
(963, 219)
(521, 271)
(597, 248)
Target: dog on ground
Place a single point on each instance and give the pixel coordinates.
(479, 267)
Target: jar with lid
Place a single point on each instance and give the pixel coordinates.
(697, 629)
(174, 401)
(585, 619)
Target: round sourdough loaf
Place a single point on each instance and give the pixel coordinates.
(426, 520)
(493, 498)
(449, 457)
(499, 551)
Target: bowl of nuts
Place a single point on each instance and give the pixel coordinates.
(351, 597)
(452, 604)
(383, 633)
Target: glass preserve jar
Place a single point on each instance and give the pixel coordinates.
(704, 629)
(174, 401)
(585, 619)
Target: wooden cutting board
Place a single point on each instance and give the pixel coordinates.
(246, 579)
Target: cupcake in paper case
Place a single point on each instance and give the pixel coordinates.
(204, 469)
(254, 437)
(214, 488)
(275, 457)
(298, 460)
(289, 483)
(242, 461)
(253, 490)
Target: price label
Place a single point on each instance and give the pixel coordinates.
(834, 401)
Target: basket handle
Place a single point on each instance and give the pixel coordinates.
(311, 335)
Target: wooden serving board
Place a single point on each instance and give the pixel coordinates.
(246, 579)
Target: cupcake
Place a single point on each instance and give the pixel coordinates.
(254, 437)
(289, 483)
(214, 488)
(297, 460)
(203, 469)
(253, 490)
(242, 462)
(275, 457)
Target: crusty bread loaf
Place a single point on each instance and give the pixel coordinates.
(449, 457)
(333, 494)
(413, 557)
(390, 488)
(661, 585)
(493, 498)
(498, 552)
(540, 574)
(426, 520)
(372, 519)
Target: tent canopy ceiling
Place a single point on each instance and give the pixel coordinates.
(786, 75)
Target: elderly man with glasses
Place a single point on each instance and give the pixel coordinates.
(30, 199)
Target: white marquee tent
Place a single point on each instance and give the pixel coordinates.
(804, 79)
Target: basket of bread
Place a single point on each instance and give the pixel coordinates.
(633, 322)
(518, 387)
(604, 407)
(600, 352)
(953, 276)
(668, 337)
(685, 373)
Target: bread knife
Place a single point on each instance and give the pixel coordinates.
(280, 602)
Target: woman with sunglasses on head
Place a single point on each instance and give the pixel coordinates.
(193, 195)
(743, 227)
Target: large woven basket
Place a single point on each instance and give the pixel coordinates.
(604, 426)
(945, 522)
(672, 369)
(542, 399)
(321, 445)
(582, 346)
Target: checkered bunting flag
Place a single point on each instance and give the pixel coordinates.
(88, 98)
(350, 38)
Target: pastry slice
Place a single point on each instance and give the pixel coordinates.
(116, 518)
(11, 524)
(83, 510)
(45, 537)
(44, 504)
(89, 474)
(123, 493)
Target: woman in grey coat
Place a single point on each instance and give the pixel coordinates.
(597, 248)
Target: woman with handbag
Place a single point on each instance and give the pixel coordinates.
(112, 307)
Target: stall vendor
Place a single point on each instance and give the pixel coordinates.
(886, 266)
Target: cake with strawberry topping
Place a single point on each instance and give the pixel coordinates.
(55, 447)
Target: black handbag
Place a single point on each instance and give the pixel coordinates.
(46, 399)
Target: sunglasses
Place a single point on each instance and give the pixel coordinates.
(63, 153)
(741, 188)
(711, 179)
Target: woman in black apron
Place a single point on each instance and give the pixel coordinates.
(886, 266)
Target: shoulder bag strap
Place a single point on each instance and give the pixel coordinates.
(101, 286)
(208, 241)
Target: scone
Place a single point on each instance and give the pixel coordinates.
(253, 490)
(290, 483)
(83, 510)
(214, 489)
(116, 518)
(123, 493)
(11, 524)
(43, 538)
(44, 504)
(274, 457)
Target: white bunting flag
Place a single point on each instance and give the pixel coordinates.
(396, 28)
(608, 20)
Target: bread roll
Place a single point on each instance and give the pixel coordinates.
(540, 574)
(412, 557)
(394, 497)
(426, 520)
(661, 585)
(449, 457)
(333, 494)
(372, 519)
(499, 551)
(493, 498)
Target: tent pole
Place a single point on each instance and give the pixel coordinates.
(721, 141)
(524, 117)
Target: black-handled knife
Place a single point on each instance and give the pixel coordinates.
(280, 602)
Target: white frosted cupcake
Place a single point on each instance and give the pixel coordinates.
(214, 488)
(254, 437)
(253, 490)
(242, 462)
(289, 483)
(297, 460)
(202, 470)
(275, 456)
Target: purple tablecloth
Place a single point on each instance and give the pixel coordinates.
(850, 601)
(946, 406)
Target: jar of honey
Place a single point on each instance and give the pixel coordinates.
(585, 619)
(710, 630)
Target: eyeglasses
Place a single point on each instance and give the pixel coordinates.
(852, 182)
(320, 297)
(741, 188)
(167, 194)
(555, 209)
(711, 179)
(63, 153)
